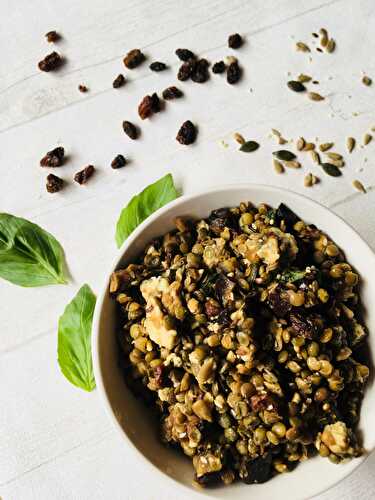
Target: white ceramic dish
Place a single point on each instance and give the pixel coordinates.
(130, 416)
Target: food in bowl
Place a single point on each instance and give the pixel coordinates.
(243, 332)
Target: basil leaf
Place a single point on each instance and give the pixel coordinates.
(144, 204)
(292, 275)
(29, 256)
(74, 340)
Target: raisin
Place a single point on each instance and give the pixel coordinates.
(54, 183)
(258, 470)
(134, 58)
(184, 54)
(119, 81)
(235, 41)
(224, 289)
(261, 402)
(208, 479)
(84, 175)
(220, 219)
(287, 215)
(172, 93)
(186, 70)
(233, 73)
(158, 66)
(149, 105)
(212, 308)
(130, 129)
(303, 326)
(279, 305)
(82, 88)
(52, 36)
(50, 62)
(219, 67)
(118, 161)
(53, 158)
(187, 133)
(200, 71)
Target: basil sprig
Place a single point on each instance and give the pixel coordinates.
(29, 255)
(144, 204)
(74, 340)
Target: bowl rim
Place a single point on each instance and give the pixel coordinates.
(103, 396)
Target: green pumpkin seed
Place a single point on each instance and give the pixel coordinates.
(300, 144)
(367, 139)
(350, 144)
(302, 47)
(284, 155)
(278, 167)
(331, 45)
(366, 80)
(331, 170)
(334, 156)
(324, 37)
(304, 78)
(314, 96)
(249, 147)
(296, 86)
(326, 146)
(359, 186)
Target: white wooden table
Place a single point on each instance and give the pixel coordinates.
(55, 440)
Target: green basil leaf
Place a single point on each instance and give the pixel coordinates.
(74, 340)
(29, 256)
(144, 204)
(292, 275)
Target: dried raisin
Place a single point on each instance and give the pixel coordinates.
(54, 183)
(200, 71)
(172, 93)
(134, 58)
(130, 129)
(158, 66)
(119, 81)
(219, 67)
(82, 88)
(186, 70)
(50, 62)
(184, 54)
(235, 41)
(118, 161)
(233, 73)
(53, 158)
(187, 133)
(52, 36)
(149, 105)
(84, 175)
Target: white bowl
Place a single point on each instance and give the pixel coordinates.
(131, 417)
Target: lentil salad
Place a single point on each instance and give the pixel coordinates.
(243, 331)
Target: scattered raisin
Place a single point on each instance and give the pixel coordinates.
(219, 67)
(134, 58)
(235, 41)
(172, 93)
(130, 130)
(158, 66)
(184, 54)
(303, 326)
(53, 158)
(200, 71)
(187, 133)
(52, 36)
(84, 175)
(119, 81)
(54, 183)
(118, 161)
(149, 105)
(50, 62)
(233, 73)
(82, 88)
(186, 70)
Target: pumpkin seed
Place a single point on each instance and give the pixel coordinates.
(307, 181)
(366, 80)
(315, 156)
(331, 45)
(300, 144)
(284, 155)
(367, 139)
(239, 138)
(325, 146)
(309, 146)
(276, 132)
(331, 170)
(304, 78)
(337, 163)
(323, 37)
(249, 146)
(350, 144)
(302, 47)
(334, 156)
(314, 96)
(296, 86)
(279, 168)
(315, 179)
(359, 186)
(292, 164)
(282, 140)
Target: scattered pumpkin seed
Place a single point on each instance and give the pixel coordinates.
(307, 181)
(323, 37)
(276, 132)
(331, 170)
(284, 155)
(296, 86)
(300, 144)
(366, 80)
(337, 163)
(304, 78)
(302, 47)
(249, 146)
(367, 139)
(359, 186)
(282, 140)
(315, 179)
(239, 138)
(315, 156)
(331, 45)
(309, 146)
(334, 156)
(350, 144)
(278, 167)
(314, 96)
(325, 146)
(292, 164)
